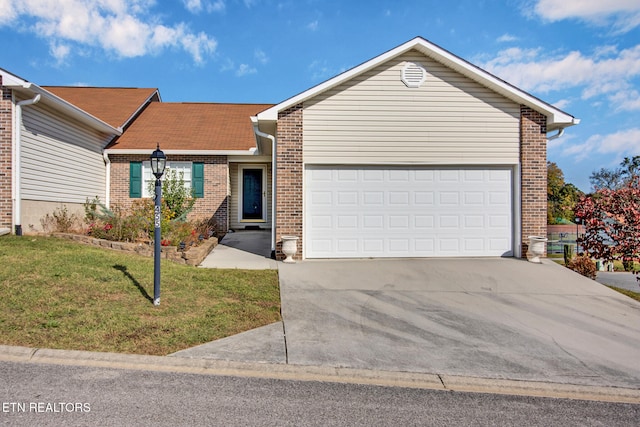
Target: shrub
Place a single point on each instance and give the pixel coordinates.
(61, 221)
(176, 198)
(114, 224)
(583, 265)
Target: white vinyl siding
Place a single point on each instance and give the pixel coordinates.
(375, 118)
(235, 199)
(61, 158)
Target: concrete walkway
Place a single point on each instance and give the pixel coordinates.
(249, 250)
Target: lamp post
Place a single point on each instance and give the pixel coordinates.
(158, 163)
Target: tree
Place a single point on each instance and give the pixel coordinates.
(612, 223)
(561, 196)
(616, 178)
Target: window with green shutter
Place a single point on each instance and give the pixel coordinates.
(197, 179)
(135, 179)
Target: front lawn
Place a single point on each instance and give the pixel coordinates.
(65, 295)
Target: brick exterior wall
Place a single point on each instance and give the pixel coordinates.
(533, 164)
(6, 204)
(289, 172)
(216, 186)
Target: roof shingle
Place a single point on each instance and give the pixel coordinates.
(112, 105)
(192, 126)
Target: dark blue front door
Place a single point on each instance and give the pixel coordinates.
(252, 194)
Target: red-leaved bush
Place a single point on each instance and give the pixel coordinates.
(583, 265)
(612, 222)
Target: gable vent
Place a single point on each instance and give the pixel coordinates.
(413, 74)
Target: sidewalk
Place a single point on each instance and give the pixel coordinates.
(248, 250)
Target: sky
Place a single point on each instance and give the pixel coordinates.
(583, 56)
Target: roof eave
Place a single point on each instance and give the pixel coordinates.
(250, 152)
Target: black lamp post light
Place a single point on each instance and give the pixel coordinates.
(158, 163)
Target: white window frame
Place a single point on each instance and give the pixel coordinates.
(148, 179)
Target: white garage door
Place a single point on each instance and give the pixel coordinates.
(368, 211)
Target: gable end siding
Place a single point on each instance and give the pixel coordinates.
(376, 119)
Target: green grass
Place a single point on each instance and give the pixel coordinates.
(630, 294)
(60, 294)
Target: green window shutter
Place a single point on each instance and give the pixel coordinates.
(197, 179)
(135, 179)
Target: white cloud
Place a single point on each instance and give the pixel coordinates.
(506, 38)
(216, 6)
(626, 100)
(261, 56)
(608, 72)
(313, 26)
(193, 6)
(320, 70)
(60, 52)
(622, 143)
(622, 15)
(197, 6)
(244, 70)
(562, 103)
(126, 28)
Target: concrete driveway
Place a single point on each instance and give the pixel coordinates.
(490, 318)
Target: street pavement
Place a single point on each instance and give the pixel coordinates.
(623, 280)
(55, 395)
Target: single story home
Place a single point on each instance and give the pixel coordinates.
(414, 153)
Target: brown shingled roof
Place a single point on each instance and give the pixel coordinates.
(192, 126)
(112, 105)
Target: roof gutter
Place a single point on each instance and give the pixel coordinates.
(259, 133)
(17, 202)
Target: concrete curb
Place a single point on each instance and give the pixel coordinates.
(318, 373)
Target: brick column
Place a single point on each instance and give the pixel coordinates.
(6, 203)
(533, 163)
(289, 175)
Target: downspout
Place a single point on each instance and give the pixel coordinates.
(557, 135)
(107, 162)
(18, 160)
(273, 182)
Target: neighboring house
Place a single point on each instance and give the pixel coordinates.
(415, 153)
(51, 145)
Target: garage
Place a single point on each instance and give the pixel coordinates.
(383, 211)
